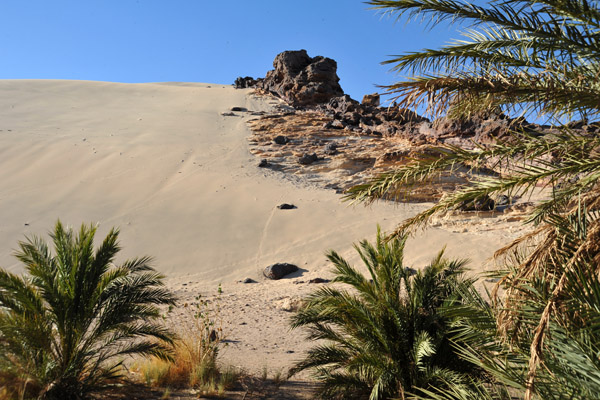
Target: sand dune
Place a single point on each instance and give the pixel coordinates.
(162, 163)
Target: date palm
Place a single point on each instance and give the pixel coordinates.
(383, 334)
(67, 324)
(516, 55)
(569, 352)
(528, 54)
(571, 367)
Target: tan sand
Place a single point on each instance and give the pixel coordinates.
(161, 162)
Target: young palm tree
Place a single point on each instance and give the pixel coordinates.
(386, 336)
(67, 324)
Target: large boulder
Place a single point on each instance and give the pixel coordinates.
(302, 80)
(279, 270)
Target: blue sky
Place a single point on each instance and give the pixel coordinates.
(200, 40)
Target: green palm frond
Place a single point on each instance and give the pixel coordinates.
(569, 369)
(383, 336)
(65, 323)
(566, 162)
(517, 54)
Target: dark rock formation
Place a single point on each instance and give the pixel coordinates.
(484, 203)
(319, 280)
(307, 159)
(312, 83)
(280, 139)
(483, 128)
(503, 200)
(302, 80)
(279, 270)
(342, 104)
(330, 149)
(373, 100)
(245, 82)
(264, 164)
(286, 206)
(369, 119)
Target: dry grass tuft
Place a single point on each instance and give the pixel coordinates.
(194, 361)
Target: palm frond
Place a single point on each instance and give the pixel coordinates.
(64, 324)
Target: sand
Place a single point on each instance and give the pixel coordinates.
(161, 162)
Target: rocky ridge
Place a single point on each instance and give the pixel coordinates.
(328, 138)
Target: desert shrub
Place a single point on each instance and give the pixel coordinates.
(196, 348)
(68, 323)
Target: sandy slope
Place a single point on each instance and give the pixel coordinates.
(162, 163)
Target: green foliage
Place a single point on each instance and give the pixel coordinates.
(540, 55)
(515, 54)
(568, 354)
(67, 324)
(541, 338)
(386, 336)
(566, 346)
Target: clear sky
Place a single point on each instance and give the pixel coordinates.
(200, 40)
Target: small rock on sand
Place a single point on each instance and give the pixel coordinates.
(286, 206)
(308, 159)
(281, 140)
(279, 270)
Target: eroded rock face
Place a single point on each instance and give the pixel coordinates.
(311, 84)
(484, 128)
(327, 137)
(302, 80)
(337, 158)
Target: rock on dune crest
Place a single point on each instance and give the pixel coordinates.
(302, 80)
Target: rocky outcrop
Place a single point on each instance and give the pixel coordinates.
(483, 128)
(329, 138)
(302, 80)
(307, 159)
(245, 82)
(373, 100)
(336, 158)
(366, 118)
(311, 83)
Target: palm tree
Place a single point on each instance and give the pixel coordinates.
(386, 336)
(542, 55)
(517, 55)
(570, 350)
(67, 324)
